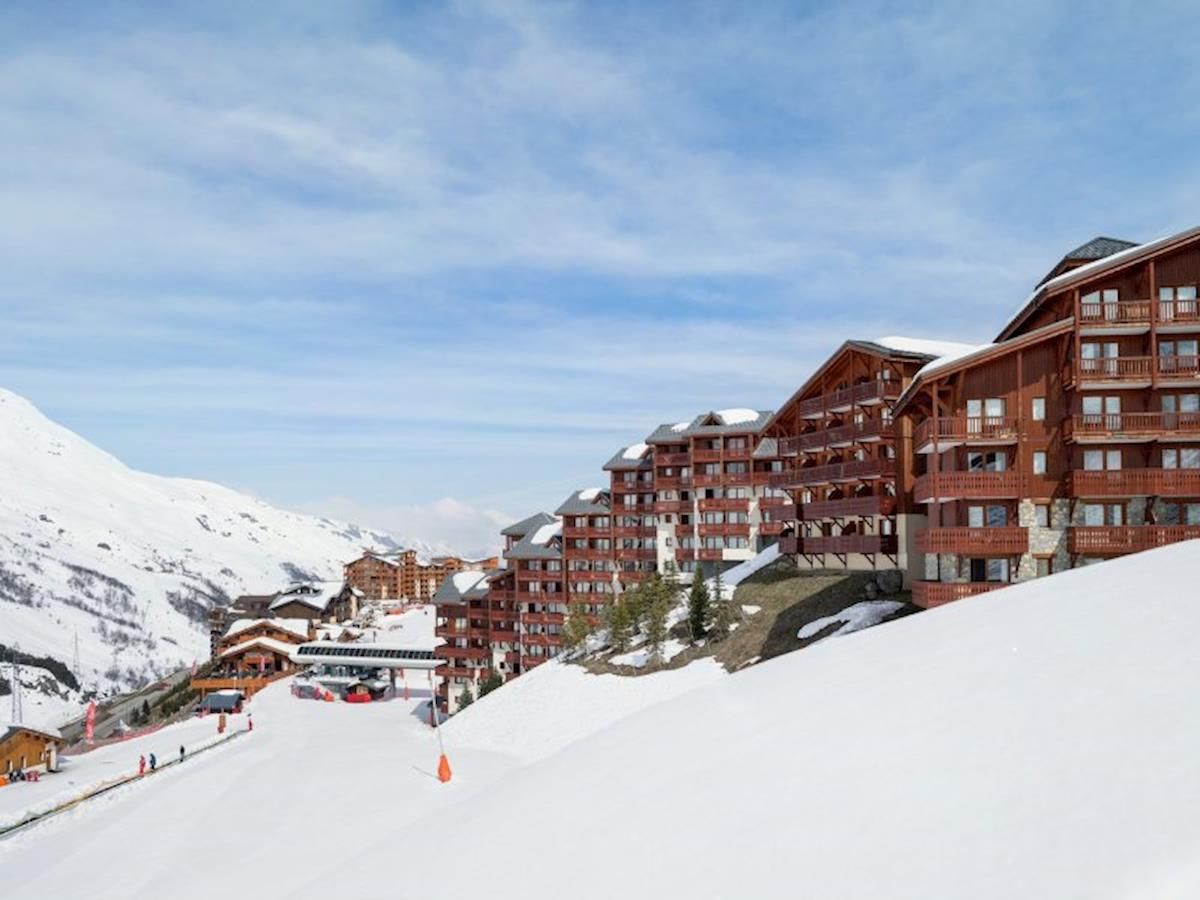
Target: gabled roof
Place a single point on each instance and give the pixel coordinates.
(461, 586)
(892, 347)
(590, 502)
(43, 731)
(269, 643)
(545, 542)
(1096, 248)
(630, 459)
(716, 422)
(298, 627)
(522, 528)
(317, 595)
(949, 364)
(1112, 262)
(768, 448)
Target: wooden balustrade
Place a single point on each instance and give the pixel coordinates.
(1000, 541)
(1117, 426)
(1115, 313)
(835, 472)
(851, 543)
(967, 486)
(1135, 483)
(928, 594)
(1110, 540)
(875, 505)
(945, 432)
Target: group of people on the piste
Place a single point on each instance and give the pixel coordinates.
(154, 761)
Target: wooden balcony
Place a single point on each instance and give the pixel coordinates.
(709, 554)
(1005, 541)
(724, 504)
(866, 432)
(1132, 427)
(590, 575)
(539, 575)
(851, 543)
(860, 470)
(501, 595)
(1178, 315)
(928, 594)
(946, 433)
(503, 636)
(869, 393)
(848, 507)
(738, 453)
(542, 618)
(672, 482)
(789, 545)
(632, 487)
(709, 480)
(968, 486)
(672, 459)
(703, 456)
(249, 684)
(741, 529)
(1135, 483)
(1179, 371)
(672, 506)
(1122, 317)
(1121, 371)
(1113, 540)
(627, 554)
(772, 527)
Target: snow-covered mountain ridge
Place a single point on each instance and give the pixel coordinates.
(131, 562)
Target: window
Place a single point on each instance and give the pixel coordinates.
(1097, 514)
(1186, 458)
(1099, 460)
(1041, 515)
(1039, 409)
(1045, 566)
(1183, 403)
(1039, 462)
(987, 516)
(1099, 358)
(1104, 412)
(1181, 514)
(994, 461)
(1100, 304)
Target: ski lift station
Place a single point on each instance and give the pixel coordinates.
(364, 671)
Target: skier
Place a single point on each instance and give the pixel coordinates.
(142, 764)
(153, 763)
(181, 752)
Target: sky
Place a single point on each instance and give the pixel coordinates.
(427, 266)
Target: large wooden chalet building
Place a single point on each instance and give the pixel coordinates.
(1074, 437)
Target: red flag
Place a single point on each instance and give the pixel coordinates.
(91, 722)
(193, 668)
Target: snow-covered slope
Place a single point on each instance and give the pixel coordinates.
(1035, 742)
(131, 562)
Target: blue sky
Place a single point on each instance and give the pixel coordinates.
(427, 266)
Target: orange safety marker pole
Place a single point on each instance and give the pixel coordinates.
(404, 681)
(444, 773)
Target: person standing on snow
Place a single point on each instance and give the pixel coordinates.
(142, 764)
(153, 763)
(181, 752)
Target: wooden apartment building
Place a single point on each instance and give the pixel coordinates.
(1076, 436)
(407, 575)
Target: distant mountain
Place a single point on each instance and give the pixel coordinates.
(130, 562)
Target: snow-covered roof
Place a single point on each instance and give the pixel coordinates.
(923, 346)
(737, 420)
(297, 627)
(268, 642)
(635, 451)
(592, 502)
(546, 533)
(539, 543)
(623, 461)
(318, 594)
(522, 528)
(48, 731)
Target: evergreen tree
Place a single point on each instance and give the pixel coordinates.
(723, 615)
(145, 717)
(578, 627)
(490, 682)
(699, 607)
(466, 698)
(661, 599)
(620, 621)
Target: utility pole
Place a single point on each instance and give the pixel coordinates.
(17, 712)
(75, 662)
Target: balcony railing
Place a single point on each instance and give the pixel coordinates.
(928, 594)
(876, 505)
(866, 394)
(947, 432)
(1181, 312)
(1115, 313)
(672, 506)
(736, 528)
(672, 459)
(1136, 483)
(1133, 425)
(789, 545)
(851, 543)
(726, 504)
(836, 472)
(1117, 369)
(738, 452)
(1108, 540)
(701, 455)
(967, 486)
(1184, 368)
(999, 541)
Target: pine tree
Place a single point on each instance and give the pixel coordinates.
(145, 717)
(620, 622)
(723, 615)
(466, 698)
(578, 627)
(490, 682)
(660, 601)
(699, 607)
